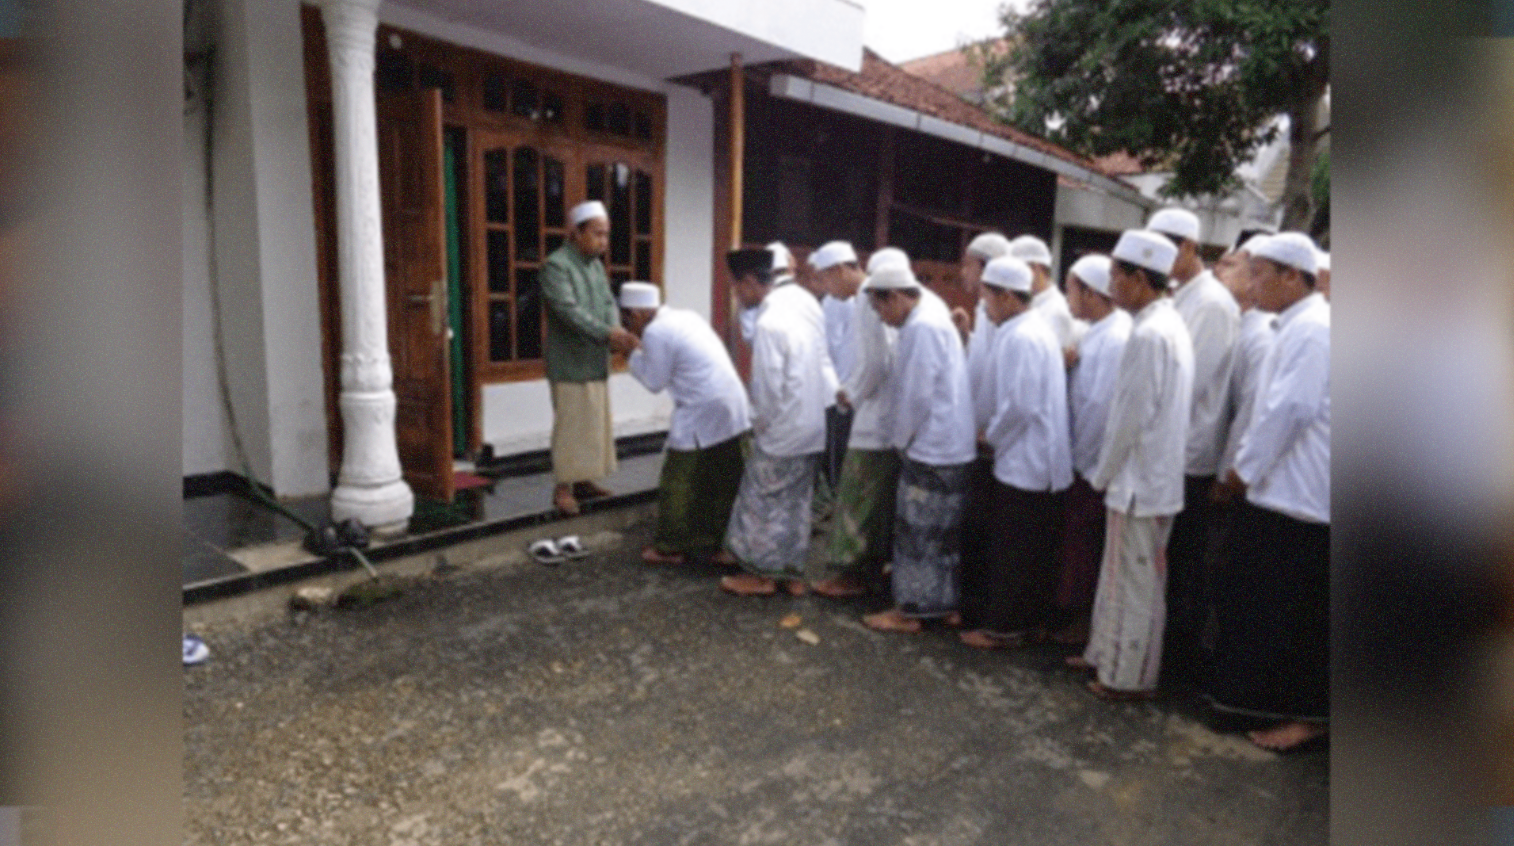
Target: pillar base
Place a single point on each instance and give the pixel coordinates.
(387, 506)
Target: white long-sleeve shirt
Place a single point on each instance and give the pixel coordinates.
(1141, 462)
(679, 352)
(1251, 349)
(840, 326)
(933, 409)
(868, 387)
(1028, 426)
(1284, 457)
(792, 378)
(1052, 304)
(980, 346)
(1091, 387)
(1214, 322)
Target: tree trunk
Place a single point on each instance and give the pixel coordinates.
(1298, 200)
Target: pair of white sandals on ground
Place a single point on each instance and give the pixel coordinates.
(549, 551)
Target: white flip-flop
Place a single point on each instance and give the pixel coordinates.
(571, 547)
(195, 650)
(545, 551)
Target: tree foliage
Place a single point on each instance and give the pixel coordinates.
(1187, 85)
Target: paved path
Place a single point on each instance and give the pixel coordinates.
(606, 702)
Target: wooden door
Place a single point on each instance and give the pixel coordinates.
(415, 274)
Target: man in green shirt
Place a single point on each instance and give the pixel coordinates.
(583, 328)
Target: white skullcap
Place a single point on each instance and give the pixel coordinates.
(588, 211)
(639, 295)
(1008, 273)
(1321, 261)
(832, 254)
(988, 246)
(885, 256)
(1180, 223)
(1093, 270)
(1031, 250)
(892, 276)
(1144, 248)
(1293, 249)
(781, 255)
(1249, 248)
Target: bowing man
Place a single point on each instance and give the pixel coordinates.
(702, 467)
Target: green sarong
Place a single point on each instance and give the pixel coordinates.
(862, 526)
(695, 494)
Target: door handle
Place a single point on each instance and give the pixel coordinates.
(437, 300)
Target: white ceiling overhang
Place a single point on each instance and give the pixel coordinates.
(668, 38)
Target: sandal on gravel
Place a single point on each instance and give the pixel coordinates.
(195, 650)
(571, 547)
(545, 551)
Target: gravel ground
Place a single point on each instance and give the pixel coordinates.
(607, 702)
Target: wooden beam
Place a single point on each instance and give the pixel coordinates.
(738, 145)
(886, 166)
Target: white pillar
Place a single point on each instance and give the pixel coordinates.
(369, 486)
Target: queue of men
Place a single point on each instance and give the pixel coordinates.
(1139, 466)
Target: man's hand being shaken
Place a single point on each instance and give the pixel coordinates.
(622, 341)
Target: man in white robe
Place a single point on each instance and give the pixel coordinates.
(1046, 297)
(976, 329)
(1091, 386)
(839, 275)
(792, 382)
(933, 428)
(1272, 591)
(1009, 571)
(860, 538)
(1213, 320)
(681, 354)
(1140, 471)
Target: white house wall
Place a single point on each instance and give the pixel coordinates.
(206, 448)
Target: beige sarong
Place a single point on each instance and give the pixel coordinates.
(1130, 604)
(583, 439)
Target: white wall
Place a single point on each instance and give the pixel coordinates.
(206, 446)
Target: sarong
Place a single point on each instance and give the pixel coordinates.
(769, 530)
(1009, 572)
(694, 496)
(1082, 546)
(1272, 610)
(1130, 604)
(862, 527)
(928, 537)
(583, 439)
(1187, 578)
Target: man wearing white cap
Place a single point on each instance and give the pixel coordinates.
(1251, 349)
(838, 275)
(1009, 569)
(1046, 296)
(861, 534)
(977, 329)
(1091, 387)
(1140, 470)
(792, 382)
(1272, 592)
(933, 427)
(1214, 321)
(583, 328)
(680, 353)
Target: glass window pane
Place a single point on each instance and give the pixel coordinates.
(620, 215)
(496, 95)
(618, 119)
(499, 261)
(553, 242)
(524, 101)
(643, 259)
(393, 71)
(497, 185)
(643, 203)
(617, 278)
(594, 117)
(643, 128)
(431, 76)
(528, 329)
(551, 107)
(527, 206)
(553, 194)
(596, 179)
(500, 331)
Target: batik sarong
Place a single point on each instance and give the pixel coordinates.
(928, 537)
(1272, 611)
(862, 527)
(694, 496)
(769, 530)
(1130, 604)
